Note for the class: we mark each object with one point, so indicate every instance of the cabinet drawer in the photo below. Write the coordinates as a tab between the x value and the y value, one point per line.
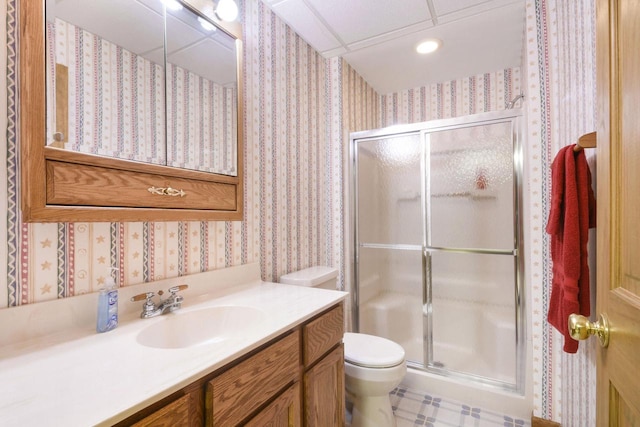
322	334
243	388
85	185
175	413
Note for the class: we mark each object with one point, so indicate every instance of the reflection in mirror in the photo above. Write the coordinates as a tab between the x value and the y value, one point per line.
201	94
106	90
106	79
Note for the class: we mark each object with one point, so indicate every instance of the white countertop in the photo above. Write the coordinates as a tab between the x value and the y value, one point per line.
76	377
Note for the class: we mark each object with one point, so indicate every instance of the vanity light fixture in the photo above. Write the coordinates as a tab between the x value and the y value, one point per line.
227	10
428	46
172	4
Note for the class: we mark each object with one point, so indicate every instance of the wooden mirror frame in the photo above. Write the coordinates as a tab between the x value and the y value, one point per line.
63	186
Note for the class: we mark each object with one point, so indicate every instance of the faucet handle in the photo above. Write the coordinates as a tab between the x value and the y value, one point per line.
175	289
146	296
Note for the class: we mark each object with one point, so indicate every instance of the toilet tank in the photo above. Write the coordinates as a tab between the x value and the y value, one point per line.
317	277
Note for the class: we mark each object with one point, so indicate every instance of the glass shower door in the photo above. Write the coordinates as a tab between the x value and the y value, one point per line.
389	239
437	247
471	253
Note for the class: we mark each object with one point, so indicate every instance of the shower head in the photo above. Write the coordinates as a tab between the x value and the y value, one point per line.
511	103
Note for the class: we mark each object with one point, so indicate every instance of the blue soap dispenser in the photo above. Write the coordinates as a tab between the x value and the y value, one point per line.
108	305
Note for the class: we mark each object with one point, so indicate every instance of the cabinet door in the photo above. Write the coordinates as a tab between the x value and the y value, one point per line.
174	414
324	391
282	412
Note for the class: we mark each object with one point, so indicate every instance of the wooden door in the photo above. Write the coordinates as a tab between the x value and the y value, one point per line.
618	158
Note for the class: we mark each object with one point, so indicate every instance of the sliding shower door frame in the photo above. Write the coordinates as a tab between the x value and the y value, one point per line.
425	129
355	245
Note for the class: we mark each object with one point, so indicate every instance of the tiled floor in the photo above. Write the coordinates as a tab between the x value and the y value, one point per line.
414	408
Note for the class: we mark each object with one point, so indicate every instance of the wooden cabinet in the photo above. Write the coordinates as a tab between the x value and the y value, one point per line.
295	380
323	355
60	185
323	406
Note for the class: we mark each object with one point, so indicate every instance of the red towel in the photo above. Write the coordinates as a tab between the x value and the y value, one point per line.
572	214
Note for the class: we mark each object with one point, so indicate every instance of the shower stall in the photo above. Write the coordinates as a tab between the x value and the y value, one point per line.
437	247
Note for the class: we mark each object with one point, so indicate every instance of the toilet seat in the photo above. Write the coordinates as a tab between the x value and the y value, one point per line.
370	351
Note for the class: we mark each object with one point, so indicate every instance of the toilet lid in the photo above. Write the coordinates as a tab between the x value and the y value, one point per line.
370	351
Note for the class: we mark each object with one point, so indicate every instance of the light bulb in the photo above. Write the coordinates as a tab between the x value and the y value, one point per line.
227	10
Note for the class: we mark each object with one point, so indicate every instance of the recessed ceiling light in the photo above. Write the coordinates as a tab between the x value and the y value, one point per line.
428	46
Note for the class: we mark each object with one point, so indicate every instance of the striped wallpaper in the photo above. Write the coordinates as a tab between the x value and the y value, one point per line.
286	126
560	69
359	109
115	97
201	123
472	95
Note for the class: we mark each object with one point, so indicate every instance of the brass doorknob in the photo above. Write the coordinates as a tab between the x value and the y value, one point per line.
580	328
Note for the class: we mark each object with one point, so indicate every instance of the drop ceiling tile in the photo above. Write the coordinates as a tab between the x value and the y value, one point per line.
117	21
182	30
378	40
334	52
307	24
209	59
393	65
450	10
356	20
154	55
424	25
155	5
444	7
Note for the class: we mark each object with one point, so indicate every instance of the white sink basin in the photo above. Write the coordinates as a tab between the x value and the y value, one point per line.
204	326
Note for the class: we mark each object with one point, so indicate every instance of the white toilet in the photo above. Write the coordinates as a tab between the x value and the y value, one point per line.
373	366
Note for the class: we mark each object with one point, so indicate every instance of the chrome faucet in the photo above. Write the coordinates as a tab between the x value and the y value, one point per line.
172	303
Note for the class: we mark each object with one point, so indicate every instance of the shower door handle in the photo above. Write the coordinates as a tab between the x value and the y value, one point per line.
580	328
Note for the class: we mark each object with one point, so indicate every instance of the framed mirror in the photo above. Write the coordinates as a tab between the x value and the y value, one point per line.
118	124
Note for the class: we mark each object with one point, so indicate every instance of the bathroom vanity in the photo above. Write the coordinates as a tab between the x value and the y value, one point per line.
252	353
265	387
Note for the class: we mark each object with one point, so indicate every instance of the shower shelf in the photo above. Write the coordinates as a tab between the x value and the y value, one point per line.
468	194
409	198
